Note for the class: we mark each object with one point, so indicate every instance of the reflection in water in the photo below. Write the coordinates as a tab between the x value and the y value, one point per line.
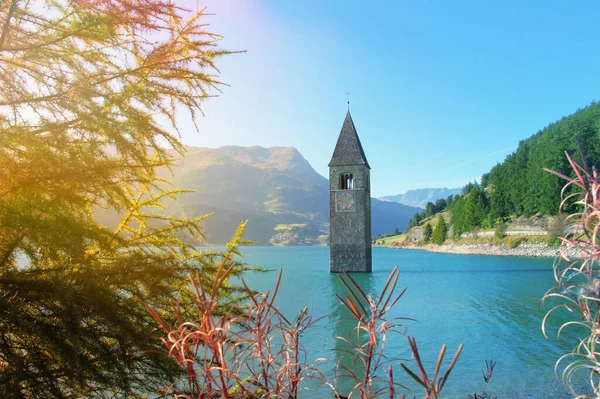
490	304
345	338
507	313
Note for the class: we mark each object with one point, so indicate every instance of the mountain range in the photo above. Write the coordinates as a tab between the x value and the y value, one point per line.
285	200
420	197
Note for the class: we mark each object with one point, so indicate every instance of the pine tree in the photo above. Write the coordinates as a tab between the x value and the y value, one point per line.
429	210
439	232
440	205
88	90
427	232
458	215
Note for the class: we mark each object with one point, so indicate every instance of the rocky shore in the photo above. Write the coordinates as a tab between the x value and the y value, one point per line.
533	250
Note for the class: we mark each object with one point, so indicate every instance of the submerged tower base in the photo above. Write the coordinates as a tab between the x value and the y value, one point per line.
347	258
349	204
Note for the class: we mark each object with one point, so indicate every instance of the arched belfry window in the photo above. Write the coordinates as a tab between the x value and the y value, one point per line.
346	181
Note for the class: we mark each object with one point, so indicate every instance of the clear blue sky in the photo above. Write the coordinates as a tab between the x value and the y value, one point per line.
440	90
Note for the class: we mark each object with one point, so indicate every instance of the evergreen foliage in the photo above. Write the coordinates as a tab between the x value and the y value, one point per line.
519	186
430	210
88	91
415	221
469	211
469	186
427	232
393	233
439	232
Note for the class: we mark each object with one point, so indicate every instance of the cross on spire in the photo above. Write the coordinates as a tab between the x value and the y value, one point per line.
348	98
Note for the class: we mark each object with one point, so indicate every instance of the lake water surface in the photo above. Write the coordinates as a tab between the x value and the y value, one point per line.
490	304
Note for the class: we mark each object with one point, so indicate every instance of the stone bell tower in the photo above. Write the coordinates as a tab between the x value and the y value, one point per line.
349	204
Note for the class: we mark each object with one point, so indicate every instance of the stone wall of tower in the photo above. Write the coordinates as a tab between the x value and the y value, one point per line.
350	220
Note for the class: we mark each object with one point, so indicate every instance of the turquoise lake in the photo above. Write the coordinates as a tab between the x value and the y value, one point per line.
490	304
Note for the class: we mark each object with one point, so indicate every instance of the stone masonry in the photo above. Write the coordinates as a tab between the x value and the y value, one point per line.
349	204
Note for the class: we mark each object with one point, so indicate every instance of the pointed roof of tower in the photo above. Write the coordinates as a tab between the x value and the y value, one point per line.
348	150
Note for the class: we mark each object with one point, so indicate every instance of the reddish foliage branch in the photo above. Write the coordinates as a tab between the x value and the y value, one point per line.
577	278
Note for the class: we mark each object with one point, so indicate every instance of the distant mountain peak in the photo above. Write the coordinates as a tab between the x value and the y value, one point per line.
278	158
285	200
420	197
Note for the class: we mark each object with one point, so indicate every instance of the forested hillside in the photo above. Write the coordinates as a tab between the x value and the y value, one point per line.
519	186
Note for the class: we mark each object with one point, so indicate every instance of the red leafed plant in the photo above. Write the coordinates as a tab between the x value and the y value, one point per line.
235	354
433	387
366	342
254	351
577	277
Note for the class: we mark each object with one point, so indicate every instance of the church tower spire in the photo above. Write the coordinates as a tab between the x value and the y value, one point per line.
349	204
348	150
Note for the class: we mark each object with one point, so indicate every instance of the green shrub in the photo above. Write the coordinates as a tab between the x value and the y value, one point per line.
500	230
486	223
553	241
556	230
515	241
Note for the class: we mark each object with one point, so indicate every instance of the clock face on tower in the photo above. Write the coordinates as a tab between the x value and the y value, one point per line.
344	201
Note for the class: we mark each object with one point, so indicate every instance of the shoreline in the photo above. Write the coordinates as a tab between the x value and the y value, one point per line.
488	249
